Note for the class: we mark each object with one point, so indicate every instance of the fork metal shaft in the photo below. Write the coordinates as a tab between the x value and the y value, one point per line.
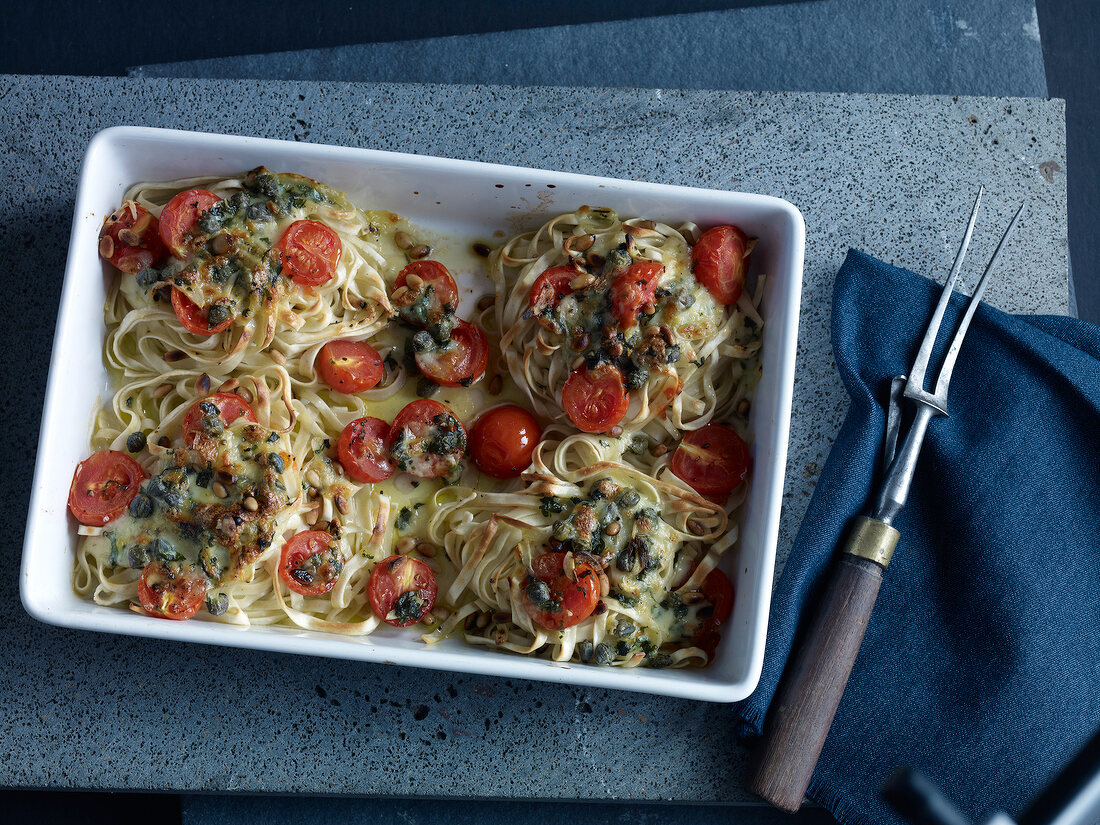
899	477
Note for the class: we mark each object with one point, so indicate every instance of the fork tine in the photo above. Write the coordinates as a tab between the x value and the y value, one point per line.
920	365
956	343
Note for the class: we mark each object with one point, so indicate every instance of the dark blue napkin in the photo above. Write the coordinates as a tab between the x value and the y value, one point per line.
981	664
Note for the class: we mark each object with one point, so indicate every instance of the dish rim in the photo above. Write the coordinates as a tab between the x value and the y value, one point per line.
684	683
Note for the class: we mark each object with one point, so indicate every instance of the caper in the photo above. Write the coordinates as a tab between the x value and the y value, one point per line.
161	549
563	530
135	442
422	341
628	499
659	660
584	650
638	376
426	387
604	654
276	462
538	592
625	559
216	605
141	506
622	648
139	556
623	629
217	314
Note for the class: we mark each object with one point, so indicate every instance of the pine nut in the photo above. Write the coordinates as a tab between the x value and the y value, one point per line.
696	527
106	246
251	504
312	479
218	489
402	240
405	546
613	528
657	450
605	584
486	301
128	237
174	355
162	390
414	281
581	243
419	252
342	504
496	384
582	281
310	517
426	549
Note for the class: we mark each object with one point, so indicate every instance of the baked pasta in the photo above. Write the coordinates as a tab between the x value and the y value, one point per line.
308	426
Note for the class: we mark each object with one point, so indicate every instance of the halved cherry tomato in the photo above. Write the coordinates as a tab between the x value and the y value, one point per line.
444	295
718	261
503	440
550	287
180	215
350	366
713	460
230	407
310	251
717	590
311	563
633	289
401	590
169	594
103	486
193	317
139	246
364	450
595	399
460	362
569	599
427	439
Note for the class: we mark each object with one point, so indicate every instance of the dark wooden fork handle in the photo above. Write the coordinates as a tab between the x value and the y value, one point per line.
816	675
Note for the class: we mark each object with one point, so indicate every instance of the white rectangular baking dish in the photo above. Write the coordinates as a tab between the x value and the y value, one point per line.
464	201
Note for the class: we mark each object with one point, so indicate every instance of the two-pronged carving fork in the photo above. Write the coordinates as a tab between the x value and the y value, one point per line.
819	667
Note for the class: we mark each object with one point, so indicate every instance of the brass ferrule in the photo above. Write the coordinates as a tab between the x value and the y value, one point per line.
872	540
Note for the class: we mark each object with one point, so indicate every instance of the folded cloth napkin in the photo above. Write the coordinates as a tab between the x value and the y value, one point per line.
981	664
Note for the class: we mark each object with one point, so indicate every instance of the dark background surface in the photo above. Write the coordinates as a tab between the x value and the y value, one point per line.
99	38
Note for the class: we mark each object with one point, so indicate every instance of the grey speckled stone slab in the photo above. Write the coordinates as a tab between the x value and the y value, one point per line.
892	175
